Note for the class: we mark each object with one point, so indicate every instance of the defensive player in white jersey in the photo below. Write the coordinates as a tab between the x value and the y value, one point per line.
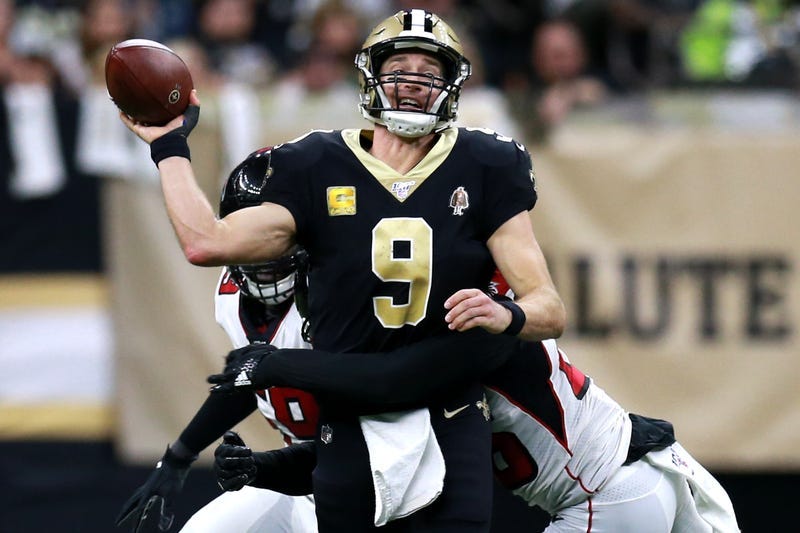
252	304
559	441
293	412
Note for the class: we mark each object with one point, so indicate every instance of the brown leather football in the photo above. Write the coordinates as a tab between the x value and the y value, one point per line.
147	81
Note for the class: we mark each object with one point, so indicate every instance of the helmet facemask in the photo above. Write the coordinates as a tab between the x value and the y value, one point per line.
413	31
271	282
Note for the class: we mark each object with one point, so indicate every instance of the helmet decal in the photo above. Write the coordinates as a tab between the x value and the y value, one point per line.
417	21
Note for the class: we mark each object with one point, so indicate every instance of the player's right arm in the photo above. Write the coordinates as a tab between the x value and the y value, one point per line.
249	235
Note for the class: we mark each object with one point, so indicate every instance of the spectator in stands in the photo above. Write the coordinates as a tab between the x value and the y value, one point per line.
503	29
6	56
559	79
641	41
337	28
318	94
483	105
304	12
104	23
38	177
748	43
225	28
102	149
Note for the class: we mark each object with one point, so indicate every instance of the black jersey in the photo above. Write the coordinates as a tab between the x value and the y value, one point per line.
387	249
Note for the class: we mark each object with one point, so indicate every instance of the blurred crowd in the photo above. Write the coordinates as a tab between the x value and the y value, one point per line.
545	57
269	70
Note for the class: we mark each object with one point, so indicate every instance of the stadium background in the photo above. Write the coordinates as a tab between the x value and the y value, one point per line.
667	214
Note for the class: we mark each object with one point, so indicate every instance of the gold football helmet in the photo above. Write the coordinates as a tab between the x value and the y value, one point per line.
420	30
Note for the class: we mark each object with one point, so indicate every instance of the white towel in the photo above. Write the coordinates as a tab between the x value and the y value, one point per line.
406	462
712	502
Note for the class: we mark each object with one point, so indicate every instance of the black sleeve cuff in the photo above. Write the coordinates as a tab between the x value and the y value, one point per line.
286	470
517	317
169	145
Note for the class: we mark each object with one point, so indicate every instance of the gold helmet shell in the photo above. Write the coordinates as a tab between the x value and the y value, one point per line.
420	30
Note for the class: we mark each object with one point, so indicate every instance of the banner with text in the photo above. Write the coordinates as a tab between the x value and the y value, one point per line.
676	256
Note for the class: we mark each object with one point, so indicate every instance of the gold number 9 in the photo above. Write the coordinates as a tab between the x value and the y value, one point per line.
402	250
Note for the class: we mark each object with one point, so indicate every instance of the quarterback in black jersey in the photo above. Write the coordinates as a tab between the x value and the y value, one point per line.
402	223
386	249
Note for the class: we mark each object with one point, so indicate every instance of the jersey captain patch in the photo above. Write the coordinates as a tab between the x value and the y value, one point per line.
341	201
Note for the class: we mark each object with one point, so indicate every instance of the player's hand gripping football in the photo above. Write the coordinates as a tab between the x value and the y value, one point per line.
181	125
150	507
234	463
241	368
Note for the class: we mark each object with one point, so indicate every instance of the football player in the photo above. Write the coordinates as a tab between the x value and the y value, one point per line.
253	304
558	440
392	262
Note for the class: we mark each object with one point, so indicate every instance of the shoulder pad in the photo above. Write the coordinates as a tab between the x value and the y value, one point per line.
492	148
303	151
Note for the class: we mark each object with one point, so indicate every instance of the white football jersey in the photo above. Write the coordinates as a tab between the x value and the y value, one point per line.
293	412
557	437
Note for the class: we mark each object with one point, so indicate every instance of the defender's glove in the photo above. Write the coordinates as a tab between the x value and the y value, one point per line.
152	502
234	463
240	368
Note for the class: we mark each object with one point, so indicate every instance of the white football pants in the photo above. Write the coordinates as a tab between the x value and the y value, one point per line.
653	495
252	510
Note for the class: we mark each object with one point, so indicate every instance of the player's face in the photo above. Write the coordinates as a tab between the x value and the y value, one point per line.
412	80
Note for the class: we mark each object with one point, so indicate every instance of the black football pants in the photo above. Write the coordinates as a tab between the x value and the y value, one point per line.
343	490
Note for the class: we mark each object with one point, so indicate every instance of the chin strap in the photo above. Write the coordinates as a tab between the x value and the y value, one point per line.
407	124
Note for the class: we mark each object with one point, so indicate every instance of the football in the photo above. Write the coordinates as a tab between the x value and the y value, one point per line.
147	81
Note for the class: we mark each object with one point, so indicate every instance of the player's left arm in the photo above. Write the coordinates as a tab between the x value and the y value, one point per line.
537	312
403	378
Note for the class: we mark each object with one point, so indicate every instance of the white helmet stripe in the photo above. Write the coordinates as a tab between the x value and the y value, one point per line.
416	23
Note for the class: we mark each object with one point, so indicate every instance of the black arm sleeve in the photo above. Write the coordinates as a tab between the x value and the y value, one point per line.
219	413
401	379
286	470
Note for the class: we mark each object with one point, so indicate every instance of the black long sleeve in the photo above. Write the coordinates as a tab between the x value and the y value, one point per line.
401	379
219	413
286	470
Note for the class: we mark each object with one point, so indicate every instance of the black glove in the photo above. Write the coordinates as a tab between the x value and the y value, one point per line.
152	502
234	463
240	369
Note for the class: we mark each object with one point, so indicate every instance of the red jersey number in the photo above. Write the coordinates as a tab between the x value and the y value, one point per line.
512	462
296	410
